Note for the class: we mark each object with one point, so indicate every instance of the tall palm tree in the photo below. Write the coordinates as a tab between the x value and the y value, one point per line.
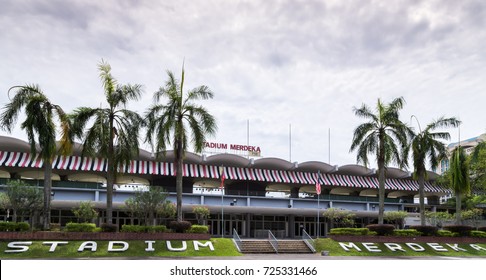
385	137
114	130
426	148
177	121
459	178
40	127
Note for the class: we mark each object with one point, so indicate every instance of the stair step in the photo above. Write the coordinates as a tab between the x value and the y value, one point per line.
284	246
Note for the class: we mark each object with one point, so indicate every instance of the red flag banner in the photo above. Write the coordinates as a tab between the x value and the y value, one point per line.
221	171
318	187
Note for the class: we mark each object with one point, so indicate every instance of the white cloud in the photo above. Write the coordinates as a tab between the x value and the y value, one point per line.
275	63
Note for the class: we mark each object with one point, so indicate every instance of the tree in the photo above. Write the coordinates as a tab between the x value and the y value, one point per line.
85	211
40	126
145	205
177	121
426	148
114	130
459	178
202	213
339	217
478	167
24	200
438	218
380	136
473	216
167	210
395	217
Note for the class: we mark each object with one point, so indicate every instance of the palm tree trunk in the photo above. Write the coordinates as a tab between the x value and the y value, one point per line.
110	181
381	191
458	208
421	179
179	158
381	179
110	176
47	194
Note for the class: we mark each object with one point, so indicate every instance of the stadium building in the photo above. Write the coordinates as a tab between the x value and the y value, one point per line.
248	203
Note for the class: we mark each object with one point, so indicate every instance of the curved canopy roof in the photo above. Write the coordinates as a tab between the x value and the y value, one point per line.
11	144
314	166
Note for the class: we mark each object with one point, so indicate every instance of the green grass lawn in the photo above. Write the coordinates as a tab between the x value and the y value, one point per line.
222	247
327	244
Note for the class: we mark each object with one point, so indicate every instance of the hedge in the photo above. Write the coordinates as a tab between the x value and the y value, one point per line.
80	227
139	228
406	232
477	233
349	231
109	227
426	230
461	230
198	229
381	229
446	233
180	227
9	226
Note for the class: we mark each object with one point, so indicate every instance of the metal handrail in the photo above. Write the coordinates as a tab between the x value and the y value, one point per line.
273	241
237	240
308	241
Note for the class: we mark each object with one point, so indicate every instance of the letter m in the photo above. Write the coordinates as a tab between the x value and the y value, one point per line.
348	246
207	244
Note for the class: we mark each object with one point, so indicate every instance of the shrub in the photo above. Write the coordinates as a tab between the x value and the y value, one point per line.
426	230
132	228
460	229
199	229
446	233
349	231
9	226
406	232
80	227
477	233
160	228
55	227
382	229
109	227
482	229
5	226
22	226
180	227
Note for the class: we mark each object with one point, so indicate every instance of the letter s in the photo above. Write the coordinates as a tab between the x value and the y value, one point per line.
19	246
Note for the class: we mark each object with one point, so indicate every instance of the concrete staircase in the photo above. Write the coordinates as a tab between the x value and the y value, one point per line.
256	247
293	247
284	247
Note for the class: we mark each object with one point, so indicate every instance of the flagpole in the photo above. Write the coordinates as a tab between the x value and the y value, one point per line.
221	172
318	190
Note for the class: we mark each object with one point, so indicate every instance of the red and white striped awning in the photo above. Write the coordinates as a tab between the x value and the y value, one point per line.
76	163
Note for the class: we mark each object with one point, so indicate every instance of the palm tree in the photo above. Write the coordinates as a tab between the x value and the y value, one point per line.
39	125
177	121
426	147
459	178
114	131
379	136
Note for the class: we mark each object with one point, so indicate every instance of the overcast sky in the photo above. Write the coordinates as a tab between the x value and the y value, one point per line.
276	64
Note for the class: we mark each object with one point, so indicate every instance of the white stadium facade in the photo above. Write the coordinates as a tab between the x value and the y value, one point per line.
248	204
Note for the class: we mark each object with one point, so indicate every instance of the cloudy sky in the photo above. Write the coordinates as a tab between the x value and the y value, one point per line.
274	64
